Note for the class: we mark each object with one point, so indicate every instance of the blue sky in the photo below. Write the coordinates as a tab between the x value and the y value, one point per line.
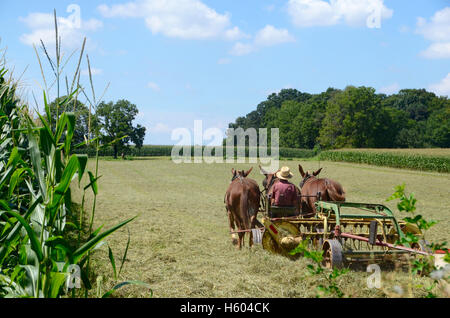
182	60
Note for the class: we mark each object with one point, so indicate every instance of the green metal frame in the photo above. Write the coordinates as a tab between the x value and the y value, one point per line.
377	211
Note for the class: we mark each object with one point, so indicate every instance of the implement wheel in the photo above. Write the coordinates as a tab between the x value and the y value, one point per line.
285	229
332	254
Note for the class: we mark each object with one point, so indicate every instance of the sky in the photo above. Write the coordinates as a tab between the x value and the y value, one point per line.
185	60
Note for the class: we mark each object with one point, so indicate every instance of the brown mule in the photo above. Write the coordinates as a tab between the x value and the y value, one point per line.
242	204
329	190
268	182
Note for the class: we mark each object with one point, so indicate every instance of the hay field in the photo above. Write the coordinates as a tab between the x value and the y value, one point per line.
180	243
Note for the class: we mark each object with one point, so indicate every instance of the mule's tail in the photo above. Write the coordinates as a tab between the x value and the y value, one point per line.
335	191
244	210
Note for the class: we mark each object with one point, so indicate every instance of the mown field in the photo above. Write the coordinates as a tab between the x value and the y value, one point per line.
180	243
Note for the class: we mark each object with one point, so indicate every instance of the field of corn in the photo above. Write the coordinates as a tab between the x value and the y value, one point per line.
433	159
437	152
162	150
416	159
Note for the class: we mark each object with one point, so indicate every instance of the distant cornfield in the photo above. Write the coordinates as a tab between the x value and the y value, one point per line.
162	151
391	159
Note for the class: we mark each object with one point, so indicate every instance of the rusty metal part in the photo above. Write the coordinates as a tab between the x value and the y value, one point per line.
379	243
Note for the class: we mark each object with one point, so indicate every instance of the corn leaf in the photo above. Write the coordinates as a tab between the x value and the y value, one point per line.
131	282
79	253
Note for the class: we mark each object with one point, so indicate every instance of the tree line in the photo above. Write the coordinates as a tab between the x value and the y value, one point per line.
355	117
111	122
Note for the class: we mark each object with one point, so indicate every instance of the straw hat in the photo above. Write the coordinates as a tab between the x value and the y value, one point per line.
284	173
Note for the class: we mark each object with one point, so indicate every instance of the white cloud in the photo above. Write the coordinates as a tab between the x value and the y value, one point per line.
270	35
71	32
240	49
390	89
160	128
234	34
442	88
307	13
437	30
153	86
267	36
437	51
185	19
94	71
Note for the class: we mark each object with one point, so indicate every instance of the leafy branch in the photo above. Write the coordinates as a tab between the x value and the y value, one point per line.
316	269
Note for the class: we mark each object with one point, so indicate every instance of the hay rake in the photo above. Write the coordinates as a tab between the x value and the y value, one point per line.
346	232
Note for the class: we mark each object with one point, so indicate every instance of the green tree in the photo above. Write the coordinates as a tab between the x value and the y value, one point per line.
412	136
310	117
417	103
116	122
285	121
424	122
351	119
438	128
138	136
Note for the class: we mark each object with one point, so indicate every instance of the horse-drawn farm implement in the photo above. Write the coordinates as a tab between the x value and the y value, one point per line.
346	232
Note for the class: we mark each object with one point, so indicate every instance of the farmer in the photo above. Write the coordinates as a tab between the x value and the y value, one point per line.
284	193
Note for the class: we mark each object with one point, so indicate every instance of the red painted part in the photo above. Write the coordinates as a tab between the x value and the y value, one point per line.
273	229
398	247
441	251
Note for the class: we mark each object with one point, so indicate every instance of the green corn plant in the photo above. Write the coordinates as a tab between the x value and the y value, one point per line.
37	169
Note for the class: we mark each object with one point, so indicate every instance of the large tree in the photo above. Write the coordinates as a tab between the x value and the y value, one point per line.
351	119
116	121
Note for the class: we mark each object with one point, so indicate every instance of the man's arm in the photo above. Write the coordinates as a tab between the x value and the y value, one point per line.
272	194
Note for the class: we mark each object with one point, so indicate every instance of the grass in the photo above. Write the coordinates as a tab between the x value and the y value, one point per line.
180	243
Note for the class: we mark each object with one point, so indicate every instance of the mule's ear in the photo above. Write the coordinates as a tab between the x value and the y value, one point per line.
233	172
317	172
301	170
248	172
264	172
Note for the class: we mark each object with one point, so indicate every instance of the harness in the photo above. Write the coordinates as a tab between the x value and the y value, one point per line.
237	176
304	180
